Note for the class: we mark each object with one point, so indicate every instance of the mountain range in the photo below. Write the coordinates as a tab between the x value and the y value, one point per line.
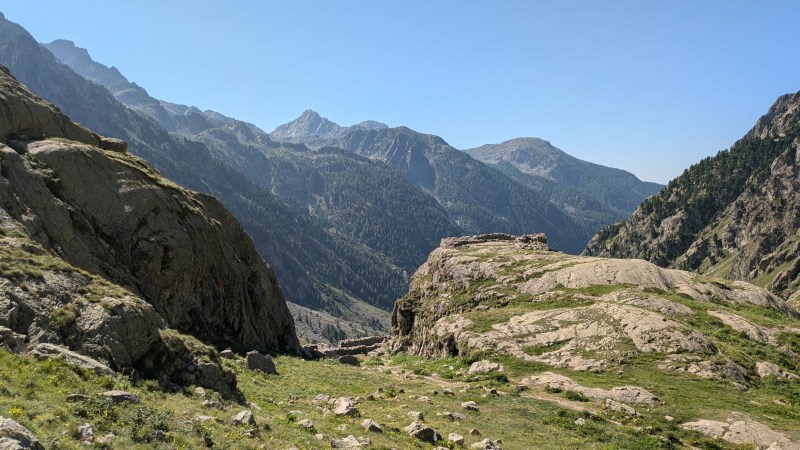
343	214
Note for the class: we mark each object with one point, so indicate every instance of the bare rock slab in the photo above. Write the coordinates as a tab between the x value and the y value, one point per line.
743	430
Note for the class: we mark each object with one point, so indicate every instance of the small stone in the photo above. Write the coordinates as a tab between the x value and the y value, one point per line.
435	392
401	391
415	415
519	388
343	406
424	433
349	360
243	418
448	391
252	432
159	435
350	442
493	391
474	432
370	397
455	416
306	423
105	439
263	363
456	438
227	354
485	444
669	418
199	392
371	425
121	396
321	437
470	406
580	421
425	399
321	398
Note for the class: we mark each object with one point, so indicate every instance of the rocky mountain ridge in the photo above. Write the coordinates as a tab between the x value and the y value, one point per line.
732	215
620	191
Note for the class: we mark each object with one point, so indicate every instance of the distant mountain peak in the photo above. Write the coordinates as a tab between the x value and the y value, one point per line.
310	123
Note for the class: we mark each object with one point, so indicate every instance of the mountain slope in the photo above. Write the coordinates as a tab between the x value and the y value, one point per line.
477	197
733	214
306	258
618	190
358	197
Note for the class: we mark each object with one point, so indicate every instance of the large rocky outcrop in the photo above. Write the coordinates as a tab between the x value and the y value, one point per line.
101	254
500	296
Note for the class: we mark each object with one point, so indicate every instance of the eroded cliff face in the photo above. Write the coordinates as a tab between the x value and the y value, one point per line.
508	298
102	254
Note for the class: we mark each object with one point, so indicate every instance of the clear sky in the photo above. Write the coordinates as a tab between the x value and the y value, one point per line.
647	86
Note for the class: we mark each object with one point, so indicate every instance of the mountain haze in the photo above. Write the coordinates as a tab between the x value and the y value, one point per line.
617	189
284	235
477	197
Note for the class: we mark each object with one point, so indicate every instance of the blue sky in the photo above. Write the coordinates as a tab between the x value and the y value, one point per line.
647	86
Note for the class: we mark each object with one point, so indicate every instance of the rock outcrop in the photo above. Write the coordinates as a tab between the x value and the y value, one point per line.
100	254
492	295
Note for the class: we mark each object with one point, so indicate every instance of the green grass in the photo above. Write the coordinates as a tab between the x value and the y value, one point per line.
34	393
595	290
536	350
